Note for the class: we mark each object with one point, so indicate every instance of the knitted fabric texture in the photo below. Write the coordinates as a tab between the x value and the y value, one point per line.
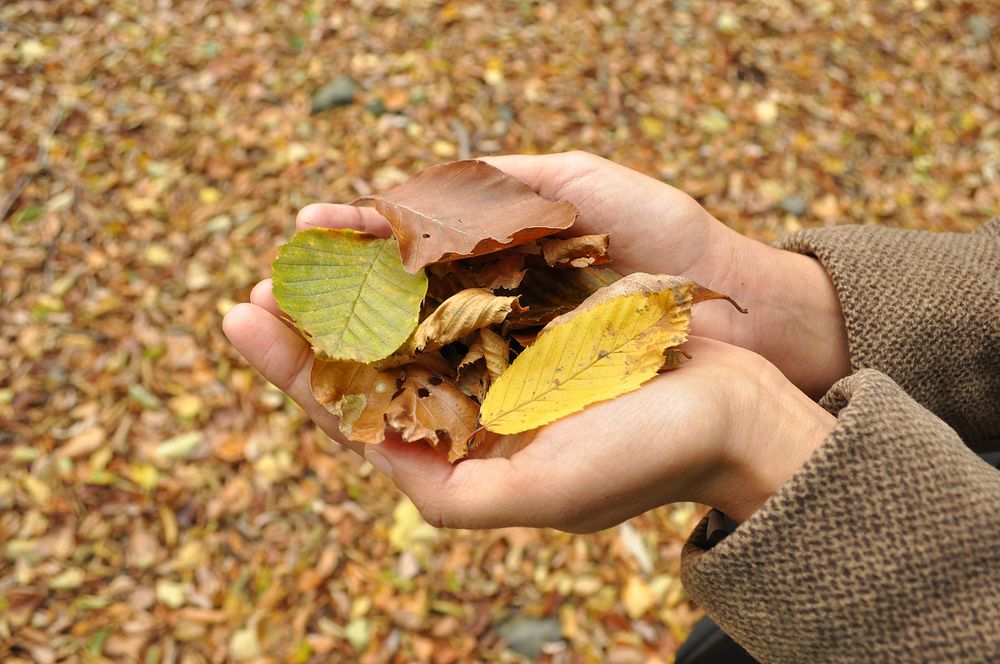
885	546
923	308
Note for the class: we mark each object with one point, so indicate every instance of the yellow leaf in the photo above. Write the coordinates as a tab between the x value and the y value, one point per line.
466	311
495	351
67	580
611	344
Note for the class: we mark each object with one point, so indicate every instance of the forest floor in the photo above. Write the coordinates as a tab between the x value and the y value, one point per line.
160	503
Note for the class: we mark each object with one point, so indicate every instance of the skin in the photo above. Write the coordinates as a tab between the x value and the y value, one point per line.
727	429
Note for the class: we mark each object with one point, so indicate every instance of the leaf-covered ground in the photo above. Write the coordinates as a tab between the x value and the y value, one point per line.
159	502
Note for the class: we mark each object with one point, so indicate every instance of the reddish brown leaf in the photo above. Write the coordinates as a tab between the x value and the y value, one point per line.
465	208
501	270
430	408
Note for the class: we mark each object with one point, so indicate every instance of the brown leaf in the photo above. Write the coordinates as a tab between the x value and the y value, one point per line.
356	393
474	379
463	312
548	292
495	351
417	403
487	358
83	443
430	408
501	270
465	208
582	251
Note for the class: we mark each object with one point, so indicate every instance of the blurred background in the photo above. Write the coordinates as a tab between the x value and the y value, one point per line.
160	503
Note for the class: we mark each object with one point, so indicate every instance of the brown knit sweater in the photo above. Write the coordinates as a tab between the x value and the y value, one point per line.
885	546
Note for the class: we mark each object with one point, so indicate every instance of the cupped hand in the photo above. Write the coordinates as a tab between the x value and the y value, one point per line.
726	429
795	322
795	318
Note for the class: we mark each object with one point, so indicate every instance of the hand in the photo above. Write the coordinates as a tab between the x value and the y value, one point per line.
726	429
795	320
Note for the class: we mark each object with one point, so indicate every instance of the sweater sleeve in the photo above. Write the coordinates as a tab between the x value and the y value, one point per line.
884	547
923	308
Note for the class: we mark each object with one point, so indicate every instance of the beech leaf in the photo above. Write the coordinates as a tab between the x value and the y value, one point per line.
485	361
495	351
413	401
465	208
463	312
432	409
502	270
582	251
547	292
609	345
348	293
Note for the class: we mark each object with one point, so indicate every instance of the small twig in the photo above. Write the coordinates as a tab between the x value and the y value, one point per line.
40	163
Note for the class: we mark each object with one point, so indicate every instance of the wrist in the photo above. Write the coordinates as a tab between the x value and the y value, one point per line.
795	319
775	429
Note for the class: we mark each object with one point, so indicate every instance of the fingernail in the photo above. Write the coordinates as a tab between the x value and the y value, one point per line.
377	459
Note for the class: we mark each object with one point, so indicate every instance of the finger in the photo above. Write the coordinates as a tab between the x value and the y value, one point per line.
655	227
262	296
284	359
476	493
334	215
548	174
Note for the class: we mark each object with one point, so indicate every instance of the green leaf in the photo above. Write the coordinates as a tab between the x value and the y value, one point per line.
348	293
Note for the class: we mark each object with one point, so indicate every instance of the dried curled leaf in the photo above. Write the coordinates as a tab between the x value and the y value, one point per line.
429	408
463	312
547	292
608	346
413	401
503	270
485	361
465	208
493	349
348	293
582	251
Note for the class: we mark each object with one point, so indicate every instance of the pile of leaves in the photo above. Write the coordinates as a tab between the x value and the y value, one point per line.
471	320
